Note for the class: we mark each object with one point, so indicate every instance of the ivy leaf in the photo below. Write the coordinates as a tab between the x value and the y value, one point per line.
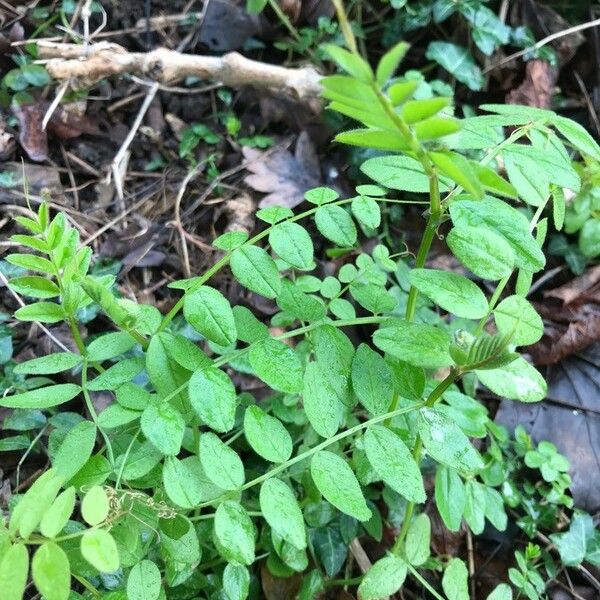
266	435
418	539
256	270
455	580
322	402
338	484
450	497
517	316
221	464
210	314
234	533
51	572
164	427
14	566
372	380
458	61
446	443
99	548
383	579
213	397
517	380
144	581
293	244
393	462
46	397
483	252
181	479
277	365
452	292
420	345
75	449
282	512
336	225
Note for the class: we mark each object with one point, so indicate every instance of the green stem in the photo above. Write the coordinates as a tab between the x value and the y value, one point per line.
424	582
284	19
345	26
353	581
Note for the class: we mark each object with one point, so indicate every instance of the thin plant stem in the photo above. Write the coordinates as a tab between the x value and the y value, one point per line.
424	582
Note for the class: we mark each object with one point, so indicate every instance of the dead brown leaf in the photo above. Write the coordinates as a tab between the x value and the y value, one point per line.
279	588
538	86
32	137
37	177
283	176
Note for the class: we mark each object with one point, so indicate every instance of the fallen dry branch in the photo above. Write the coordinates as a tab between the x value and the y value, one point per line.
84	66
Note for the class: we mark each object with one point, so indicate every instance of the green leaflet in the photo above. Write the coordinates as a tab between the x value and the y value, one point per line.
56	517
234	533
455	580
298	304
517	381
338	484
46	397
516	316
372	380
452	292
418	539
221	464
383	579
399	173
181	479
249	328
277	364
419	110
98	547
48	365
267	435
75	449
144	581
213	397
95	505
501	592
420	345
282	512
115	376
336	225
293	244
366	211
236	582
394	463
459	169
109	345
14	566
322	403
485	253
449	497
210	314
51	572
446	443
256	270
475	506
34	286
389	62
164	427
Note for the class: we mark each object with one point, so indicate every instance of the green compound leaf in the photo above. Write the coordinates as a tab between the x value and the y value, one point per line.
213	397
446	443
383	579
221	464
336	225
293	244
144	581
452	292
338	484
277	365
51	572
256	270
282	512
210	314
516	316
394	463
267	435
420	345
234	533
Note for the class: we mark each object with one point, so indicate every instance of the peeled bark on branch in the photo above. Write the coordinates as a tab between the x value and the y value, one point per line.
84	66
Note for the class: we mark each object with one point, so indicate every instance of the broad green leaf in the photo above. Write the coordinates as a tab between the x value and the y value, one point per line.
399	173
454	293
34	286
383	579
372	380
44	312
482	251
110	345
95	505
164	427
99	548
338	484
221	464
210	314
322	403
420	345
450	497
455	580
48	365
266	435
517	381
458	61
349	62
236	582
572	545
280	509
418	539
293	244
366	211
14	566
256	270
181	479
500	218
501	592
516	316
277	364
249	328
75	449
212	395
56	517
389	62
51	572
394	463
419	110
374	298
446	443
31	262
336	225
234	533
144	581
458	168
298	304
529	180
